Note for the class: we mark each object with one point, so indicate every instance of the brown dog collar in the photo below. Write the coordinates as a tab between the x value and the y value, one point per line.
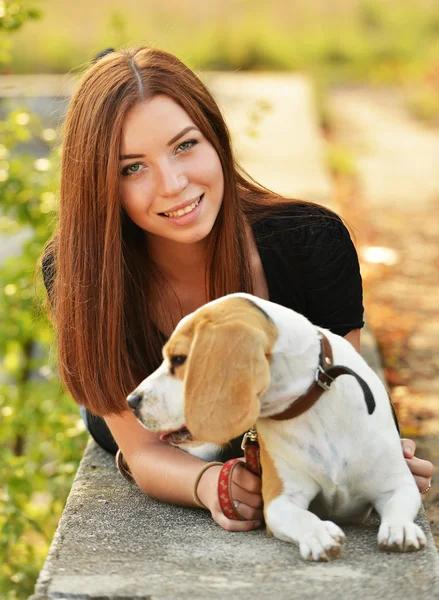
325	375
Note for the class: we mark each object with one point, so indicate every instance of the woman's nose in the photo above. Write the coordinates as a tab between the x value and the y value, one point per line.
172	179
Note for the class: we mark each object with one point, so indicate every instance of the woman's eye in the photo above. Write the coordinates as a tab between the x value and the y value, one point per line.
185	146
131	169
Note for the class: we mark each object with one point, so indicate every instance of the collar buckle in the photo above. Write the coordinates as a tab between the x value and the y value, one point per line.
250	437
324	384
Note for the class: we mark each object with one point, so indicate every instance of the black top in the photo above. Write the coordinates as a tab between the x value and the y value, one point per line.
310	265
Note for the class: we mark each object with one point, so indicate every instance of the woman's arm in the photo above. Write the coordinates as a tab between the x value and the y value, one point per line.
422	470
354	337
169	474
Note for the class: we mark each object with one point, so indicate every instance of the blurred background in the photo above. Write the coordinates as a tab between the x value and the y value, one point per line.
362	40
374	68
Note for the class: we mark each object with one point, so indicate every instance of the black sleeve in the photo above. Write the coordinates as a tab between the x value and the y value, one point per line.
331	274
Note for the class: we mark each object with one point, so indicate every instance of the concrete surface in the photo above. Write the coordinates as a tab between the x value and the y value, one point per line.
115	543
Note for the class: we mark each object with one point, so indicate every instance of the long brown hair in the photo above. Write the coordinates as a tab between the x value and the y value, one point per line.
107	341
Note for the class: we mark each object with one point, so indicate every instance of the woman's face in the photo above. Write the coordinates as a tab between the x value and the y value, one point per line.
172	181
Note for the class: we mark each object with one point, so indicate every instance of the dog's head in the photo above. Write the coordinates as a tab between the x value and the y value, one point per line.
216	365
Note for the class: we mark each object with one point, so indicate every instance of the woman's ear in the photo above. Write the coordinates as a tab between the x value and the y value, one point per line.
226	372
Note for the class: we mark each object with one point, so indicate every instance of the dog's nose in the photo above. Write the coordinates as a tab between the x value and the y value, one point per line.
134	400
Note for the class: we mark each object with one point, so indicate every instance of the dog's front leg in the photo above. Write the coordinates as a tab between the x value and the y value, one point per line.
288	519
398	509
318	540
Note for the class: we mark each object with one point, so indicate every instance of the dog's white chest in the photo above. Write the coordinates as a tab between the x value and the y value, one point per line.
302	451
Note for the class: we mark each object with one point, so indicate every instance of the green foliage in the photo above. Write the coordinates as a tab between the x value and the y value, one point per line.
423	101
13	14
41	434
40	429
249	45
425	105
339	160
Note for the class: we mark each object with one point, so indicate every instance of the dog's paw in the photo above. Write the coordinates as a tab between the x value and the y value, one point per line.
407	537
324	543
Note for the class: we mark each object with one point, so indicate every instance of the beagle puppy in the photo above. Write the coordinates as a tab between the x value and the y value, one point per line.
239	361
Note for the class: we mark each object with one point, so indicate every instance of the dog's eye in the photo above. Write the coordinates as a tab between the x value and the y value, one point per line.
176	361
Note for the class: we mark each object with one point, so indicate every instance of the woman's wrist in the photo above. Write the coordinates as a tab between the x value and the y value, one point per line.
204	490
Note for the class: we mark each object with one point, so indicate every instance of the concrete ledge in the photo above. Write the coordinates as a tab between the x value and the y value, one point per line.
113	542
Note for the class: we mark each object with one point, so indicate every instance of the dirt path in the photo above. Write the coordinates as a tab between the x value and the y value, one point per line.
395	219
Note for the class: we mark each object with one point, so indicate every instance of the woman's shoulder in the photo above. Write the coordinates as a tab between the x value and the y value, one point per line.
300	224
312	263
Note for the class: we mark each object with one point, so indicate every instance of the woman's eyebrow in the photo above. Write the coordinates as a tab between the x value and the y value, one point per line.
174	139
179	135
125	156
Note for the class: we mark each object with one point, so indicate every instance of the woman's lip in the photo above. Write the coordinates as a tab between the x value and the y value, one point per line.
182	206
187	217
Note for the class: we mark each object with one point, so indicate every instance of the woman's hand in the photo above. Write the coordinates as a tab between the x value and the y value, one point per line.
246	491
422	470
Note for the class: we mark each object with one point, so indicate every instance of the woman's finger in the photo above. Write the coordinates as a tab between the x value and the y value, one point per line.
246	488
248	512
240	494
247	480
423	484
421	468
232	525
408	447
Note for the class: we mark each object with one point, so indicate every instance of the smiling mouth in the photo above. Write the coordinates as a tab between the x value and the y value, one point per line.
181	436
183	211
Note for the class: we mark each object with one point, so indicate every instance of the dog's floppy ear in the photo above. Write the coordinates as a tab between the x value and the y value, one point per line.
226	372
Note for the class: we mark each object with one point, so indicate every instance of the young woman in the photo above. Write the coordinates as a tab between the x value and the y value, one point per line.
155	220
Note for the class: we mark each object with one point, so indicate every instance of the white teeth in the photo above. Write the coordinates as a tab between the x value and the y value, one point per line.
183	211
